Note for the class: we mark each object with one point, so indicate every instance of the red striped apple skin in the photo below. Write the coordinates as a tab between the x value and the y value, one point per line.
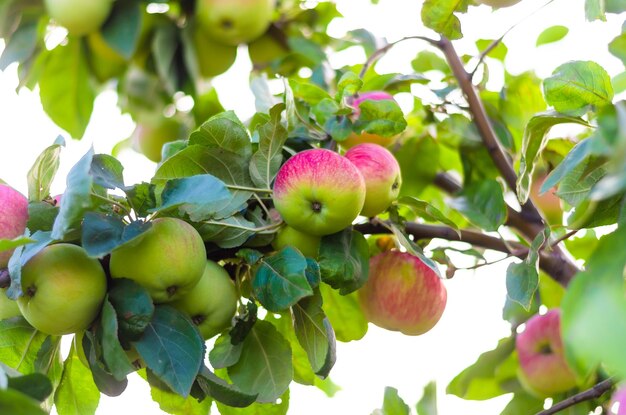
382	176
13	217
363	137
319	192
402	294
543	369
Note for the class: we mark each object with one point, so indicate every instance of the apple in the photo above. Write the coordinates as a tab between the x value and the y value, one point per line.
364	137
265	49
319	192
213	58
8	307
105	62
618	401
498	3
548	203
14	208
232	22
402	294
212	303
167	260
543	369
381	172
308	245
79	17
153	131
63	289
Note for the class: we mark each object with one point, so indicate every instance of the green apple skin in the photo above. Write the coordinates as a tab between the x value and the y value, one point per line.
167	260
213	58
543	368
319	192
79	17
152	132
264	50
104	61
382	175
402	294
8	307
308	245
364	137
212	303
63	290
232	22
14	208
496	4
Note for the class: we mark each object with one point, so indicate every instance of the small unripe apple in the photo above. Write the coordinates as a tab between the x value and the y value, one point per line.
381	172
63	289
212	303
498	3
232	22
153	131
402	294
8	307
265	49
167	260
543	368
79	17
13	217
105	62
213	58
308	245
319	192
364	137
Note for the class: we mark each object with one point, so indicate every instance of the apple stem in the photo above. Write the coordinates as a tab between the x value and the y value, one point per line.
5	278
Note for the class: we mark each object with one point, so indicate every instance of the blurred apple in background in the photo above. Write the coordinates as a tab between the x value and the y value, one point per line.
79	17
308	245
13	217
153	131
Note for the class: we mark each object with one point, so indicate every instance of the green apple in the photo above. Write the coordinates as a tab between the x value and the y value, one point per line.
167	260
105	62
153	131
8	307
265	49
402	294
381	172
63	289
309	245
543	368
79	17
319	192
232	22
364	137
213	58
14	208
496	4
212	303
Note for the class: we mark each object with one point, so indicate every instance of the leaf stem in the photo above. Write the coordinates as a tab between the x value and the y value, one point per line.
249	189
262	229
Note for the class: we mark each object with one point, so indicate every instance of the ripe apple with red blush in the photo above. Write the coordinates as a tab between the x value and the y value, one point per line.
14	208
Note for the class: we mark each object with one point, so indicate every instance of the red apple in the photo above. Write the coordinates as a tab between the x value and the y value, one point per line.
618	401
354	139
543	369
319	192
402	294
548	203
14	208
382	176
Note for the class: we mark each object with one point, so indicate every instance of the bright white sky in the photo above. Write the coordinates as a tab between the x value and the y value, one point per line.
472	321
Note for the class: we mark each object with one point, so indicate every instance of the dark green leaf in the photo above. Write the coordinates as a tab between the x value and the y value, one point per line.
172	348
265	364
268	158
231	232
552	34
279	408
344	313
122	28
280	280
225	353
114	355
522	281
344	260
66	91
16	403
223	131
42	172
77	394
104	380
141	198
165	44
133	306
313	273
439	16
483	204
244	322
576	84
223	392
107	171
315	334
427	405
34	385
101	233
41	216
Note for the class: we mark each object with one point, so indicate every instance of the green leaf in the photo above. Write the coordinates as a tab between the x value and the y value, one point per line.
165	44
104	380
594	10
280	281
114	355
344	313
16	403
382	117
141	198
393	403
315	334
523	403
348	85
227	233
493	374
20	257
177	405
66	91
344	260
483	204
279	408
573	159
34	385
429	61
552	34
499	52
77	394
265	365
42	172
41	216
107	172
223	392
224	352
223	131
534	141
426	211
200	196
419	163
576	84
268	158
101	233
522	280
427	405
308	92
172	348
21	45
122	28
10	244
439	16
133	306
76	198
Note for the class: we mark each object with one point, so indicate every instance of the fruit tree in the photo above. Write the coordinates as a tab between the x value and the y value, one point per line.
354	194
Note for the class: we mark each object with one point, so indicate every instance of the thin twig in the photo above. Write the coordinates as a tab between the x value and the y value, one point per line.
595	392
564	237
383	50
